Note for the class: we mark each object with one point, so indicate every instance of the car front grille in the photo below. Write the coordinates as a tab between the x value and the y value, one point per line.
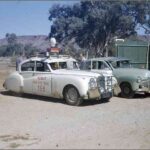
105	84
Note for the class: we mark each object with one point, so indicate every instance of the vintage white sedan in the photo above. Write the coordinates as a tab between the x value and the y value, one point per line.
97	66
50	77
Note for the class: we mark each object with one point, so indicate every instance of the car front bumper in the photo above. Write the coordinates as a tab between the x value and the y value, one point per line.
144	86
95	94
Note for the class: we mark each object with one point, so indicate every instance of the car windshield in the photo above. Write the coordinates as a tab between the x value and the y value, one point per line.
58	65
64	65
121	64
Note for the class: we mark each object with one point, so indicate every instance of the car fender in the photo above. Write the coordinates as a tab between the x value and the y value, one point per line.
59	83
14	82
124	79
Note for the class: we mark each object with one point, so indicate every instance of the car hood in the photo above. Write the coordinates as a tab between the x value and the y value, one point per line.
76	72
104	72
134	72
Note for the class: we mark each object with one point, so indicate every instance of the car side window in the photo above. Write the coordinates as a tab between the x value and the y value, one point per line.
46	67
41	66
88	65
62	65
114	64
102	65
94	66
28	66
54	65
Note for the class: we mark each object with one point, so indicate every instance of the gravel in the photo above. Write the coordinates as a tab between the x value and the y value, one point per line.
35	122
30	122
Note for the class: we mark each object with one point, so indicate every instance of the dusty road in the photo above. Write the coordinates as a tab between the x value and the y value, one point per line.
30	122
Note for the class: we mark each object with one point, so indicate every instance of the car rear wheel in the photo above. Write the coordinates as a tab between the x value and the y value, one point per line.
72	96
147	94
126	90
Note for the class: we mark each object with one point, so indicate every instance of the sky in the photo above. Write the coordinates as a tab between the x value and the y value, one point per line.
26	17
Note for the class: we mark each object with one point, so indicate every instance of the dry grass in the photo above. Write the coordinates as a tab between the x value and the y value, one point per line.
7	138
14	145
15	141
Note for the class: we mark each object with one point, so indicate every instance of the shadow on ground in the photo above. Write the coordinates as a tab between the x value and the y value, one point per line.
139	96
56	100
142	95
50	99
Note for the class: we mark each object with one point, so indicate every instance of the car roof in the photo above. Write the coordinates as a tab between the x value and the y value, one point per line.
109	59
50	59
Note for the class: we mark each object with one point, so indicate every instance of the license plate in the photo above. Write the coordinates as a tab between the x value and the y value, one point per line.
106	95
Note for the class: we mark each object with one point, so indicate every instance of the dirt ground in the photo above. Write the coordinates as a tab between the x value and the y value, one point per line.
35	122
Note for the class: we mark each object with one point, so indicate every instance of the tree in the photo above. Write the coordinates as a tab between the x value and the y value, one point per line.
12	46
11	38
3	50
30	50
94	24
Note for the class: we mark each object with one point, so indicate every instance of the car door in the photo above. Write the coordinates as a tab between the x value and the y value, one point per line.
27	71
41	79
100	66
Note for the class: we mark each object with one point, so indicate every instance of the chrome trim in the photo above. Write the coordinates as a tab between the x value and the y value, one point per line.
105	84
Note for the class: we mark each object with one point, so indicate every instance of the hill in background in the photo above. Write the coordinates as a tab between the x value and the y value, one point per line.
145	38
39	41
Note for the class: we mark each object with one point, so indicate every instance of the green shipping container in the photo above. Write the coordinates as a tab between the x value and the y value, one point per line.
137	52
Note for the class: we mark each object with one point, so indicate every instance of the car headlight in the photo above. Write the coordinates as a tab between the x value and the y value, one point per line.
138	79
102	90
92	83
110	89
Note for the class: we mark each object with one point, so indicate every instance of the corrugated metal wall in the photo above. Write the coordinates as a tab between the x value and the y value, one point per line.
137	51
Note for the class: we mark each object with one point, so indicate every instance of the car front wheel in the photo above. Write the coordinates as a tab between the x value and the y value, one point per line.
126	90
105	100
72	96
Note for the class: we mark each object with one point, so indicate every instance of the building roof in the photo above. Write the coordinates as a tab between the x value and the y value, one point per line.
109	59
